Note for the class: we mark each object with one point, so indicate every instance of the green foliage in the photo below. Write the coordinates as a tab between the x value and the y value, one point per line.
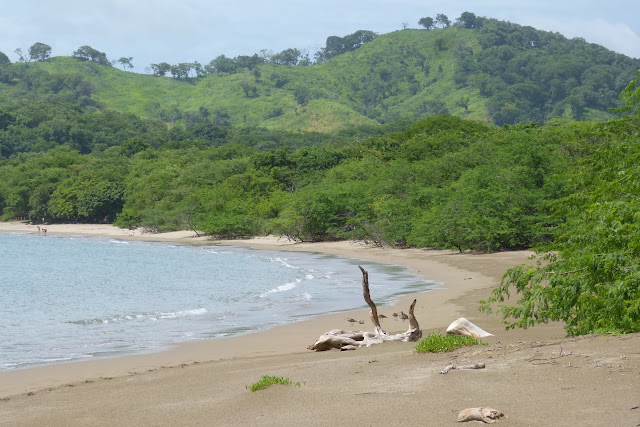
4	59
426	22
587	276
39	52
438	343
335	45
631	96
87	53
267	380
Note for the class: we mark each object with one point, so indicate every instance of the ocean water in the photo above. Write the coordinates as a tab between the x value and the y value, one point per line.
66	298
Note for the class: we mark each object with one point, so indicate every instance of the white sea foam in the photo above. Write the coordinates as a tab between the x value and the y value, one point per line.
282	288
142	317
118	242
184	313
284	262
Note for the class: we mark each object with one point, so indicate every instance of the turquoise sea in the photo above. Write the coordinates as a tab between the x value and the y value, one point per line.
66	298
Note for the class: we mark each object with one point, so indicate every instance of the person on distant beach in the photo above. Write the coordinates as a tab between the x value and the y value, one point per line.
38	229
44	230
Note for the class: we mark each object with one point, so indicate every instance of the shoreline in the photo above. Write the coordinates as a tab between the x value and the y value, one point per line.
435	314
220	368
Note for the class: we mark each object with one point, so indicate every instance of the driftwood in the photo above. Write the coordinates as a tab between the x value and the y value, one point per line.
486	415
465	328
348	340
452	367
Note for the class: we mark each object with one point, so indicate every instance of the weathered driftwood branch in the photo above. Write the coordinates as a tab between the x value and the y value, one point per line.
373	314
452	367
348	340
486	415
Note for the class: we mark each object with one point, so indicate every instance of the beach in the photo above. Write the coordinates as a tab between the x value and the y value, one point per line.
536	376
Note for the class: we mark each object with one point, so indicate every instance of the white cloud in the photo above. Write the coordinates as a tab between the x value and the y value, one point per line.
618	36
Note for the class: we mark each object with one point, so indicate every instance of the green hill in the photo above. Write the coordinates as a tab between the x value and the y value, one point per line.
500	73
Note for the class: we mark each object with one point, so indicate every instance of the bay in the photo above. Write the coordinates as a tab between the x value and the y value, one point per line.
66	298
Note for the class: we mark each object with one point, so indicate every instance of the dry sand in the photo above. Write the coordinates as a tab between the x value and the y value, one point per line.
537	377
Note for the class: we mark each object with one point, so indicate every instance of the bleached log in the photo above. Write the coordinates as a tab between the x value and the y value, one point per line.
340	339
465	328
486	415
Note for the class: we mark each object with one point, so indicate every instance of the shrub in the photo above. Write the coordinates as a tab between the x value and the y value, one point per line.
267	380
438	343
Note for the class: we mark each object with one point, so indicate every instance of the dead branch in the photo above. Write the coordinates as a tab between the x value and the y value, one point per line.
479	365
367	297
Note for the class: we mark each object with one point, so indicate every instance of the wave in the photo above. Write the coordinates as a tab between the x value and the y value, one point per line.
141	317
185	313
118	242
282	288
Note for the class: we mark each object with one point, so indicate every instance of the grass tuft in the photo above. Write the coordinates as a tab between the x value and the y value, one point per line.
438	343
267	380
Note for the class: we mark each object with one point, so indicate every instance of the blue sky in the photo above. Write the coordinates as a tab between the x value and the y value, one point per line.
154	31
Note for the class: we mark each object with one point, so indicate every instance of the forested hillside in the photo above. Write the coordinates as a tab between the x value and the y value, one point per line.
488	70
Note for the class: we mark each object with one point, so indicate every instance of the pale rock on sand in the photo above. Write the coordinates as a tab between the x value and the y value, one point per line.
465	328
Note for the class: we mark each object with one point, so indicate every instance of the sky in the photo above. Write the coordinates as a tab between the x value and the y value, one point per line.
153	31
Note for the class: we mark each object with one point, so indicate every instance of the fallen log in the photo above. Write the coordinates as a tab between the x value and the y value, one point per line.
344	340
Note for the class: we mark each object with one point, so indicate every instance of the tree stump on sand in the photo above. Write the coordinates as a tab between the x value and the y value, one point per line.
348	340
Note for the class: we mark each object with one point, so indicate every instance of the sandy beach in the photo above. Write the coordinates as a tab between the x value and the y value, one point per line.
536	377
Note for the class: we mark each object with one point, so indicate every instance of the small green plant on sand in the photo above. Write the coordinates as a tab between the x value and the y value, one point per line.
438	343
267	380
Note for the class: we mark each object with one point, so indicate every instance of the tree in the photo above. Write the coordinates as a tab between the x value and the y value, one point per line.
4	59
442	20
21	56
426	22
126	62
302	94
338	45
250	91
469	20
440	43
161	69
463	102
221	64
198	69
87	53
132	146
286	57
248	62
181	70
39	52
